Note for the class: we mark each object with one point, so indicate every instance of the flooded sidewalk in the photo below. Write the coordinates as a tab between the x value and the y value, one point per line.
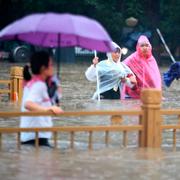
113	162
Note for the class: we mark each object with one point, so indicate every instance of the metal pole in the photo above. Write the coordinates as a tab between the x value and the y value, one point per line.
58	54
165	45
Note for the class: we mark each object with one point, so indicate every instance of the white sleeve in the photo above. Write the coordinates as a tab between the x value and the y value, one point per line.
91	73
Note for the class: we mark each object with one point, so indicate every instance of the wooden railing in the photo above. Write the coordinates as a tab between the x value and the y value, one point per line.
173	127
8	87
14	84
115	126
149	129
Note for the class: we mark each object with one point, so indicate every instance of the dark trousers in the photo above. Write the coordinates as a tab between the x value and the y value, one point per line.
42	142
111	94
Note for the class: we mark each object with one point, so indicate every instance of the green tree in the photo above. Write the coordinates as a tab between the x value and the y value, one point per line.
169	23
110	13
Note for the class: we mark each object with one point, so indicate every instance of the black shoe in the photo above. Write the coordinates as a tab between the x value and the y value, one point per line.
42	142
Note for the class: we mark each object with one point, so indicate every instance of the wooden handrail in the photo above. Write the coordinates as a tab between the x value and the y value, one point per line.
170	111
87	113
5	91
170	126
5	81
74	113
73	128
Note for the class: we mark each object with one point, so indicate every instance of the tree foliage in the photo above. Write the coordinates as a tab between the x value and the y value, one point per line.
110	13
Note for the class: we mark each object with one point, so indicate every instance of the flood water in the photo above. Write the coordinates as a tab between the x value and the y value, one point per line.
112	162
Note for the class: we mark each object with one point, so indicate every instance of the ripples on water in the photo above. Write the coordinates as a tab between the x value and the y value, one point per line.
114	162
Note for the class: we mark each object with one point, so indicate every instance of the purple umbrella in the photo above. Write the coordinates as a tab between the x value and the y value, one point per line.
59	30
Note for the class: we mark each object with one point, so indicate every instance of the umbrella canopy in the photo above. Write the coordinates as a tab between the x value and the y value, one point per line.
59	30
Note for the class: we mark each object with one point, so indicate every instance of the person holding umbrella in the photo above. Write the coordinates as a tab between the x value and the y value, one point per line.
110	75
36	98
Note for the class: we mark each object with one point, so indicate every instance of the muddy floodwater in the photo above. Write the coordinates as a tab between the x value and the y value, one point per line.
112	162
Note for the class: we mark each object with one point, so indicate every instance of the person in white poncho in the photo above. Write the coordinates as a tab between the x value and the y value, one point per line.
111	74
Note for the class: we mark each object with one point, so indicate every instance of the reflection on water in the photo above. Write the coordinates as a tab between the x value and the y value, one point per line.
102	164
114	162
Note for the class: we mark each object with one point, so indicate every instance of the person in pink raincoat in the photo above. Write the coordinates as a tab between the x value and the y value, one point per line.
144	66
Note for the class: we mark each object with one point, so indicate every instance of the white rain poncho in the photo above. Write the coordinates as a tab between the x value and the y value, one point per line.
108	74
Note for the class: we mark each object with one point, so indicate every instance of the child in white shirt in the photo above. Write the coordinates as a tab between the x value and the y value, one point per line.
36	98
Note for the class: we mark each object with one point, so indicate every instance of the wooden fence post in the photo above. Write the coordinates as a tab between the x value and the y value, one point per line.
16	76
151	119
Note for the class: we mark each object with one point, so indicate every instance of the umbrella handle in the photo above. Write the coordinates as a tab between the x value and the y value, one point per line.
97	77
95	53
